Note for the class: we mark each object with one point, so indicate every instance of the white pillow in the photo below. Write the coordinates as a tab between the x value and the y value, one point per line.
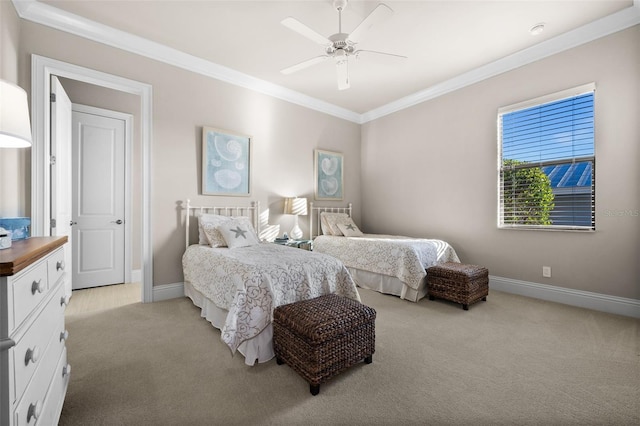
212	221
239	232
349	229
327	223
213	235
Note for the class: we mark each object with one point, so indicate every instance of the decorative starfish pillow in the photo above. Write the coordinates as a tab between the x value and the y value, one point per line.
239	233
349	229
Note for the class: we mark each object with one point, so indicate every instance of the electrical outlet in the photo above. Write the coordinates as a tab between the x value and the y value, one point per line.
546	271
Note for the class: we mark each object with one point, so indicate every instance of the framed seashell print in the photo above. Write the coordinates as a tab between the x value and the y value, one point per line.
226	163
329	183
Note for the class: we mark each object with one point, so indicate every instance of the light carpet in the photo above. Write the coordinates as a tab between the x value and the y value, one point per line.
509	361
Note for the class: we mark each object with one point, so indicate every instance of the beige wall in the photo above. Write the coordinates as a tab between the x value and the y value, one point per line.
426	171
9	42
431	171
284	137
14	162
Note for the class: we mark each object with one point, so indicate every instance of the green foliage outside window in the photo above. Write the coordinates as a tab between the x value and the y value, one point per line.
528	197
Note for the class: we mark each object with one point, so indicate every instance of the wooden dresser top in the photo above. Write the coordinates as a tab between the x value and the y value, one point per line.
23	253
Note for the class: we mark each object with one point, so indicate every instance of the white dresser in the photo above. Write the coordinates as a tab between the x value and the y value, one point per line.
33	357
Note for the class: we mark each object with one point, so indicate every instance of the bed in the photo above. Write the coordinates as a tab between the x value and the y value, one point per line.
238	284
388	264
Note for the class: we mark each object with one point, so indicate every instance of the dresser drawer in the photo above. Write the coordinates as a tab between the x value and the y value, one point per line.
34	408
40	343
30	407
29	288
50	414
56	265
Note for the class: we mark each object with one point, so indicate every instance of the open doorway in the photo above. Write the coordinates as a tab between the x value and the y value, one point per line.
42	70
91	183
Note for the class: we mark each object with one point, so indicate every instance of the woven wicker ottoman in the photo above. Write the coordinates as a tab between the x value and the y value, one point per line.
458	283
321	337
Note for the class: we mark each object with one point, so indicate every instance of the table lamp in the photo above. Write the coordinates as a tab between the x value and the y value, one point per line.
15	128
295	206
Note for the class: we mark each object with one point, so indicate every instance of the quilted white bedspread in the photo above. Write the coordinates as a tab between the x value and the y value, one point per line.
251	281
402	257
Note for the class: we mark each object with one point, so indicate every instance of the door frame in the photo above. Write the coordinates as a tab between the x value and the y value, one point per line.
41	70
128	150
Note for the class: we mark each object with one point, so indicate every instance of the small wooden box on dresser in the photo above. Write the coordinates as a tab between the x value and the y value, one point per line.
33	357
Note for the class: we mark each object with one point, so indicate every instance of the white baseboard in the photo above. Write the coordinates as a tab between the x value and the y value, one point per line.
168	291
136	276
583	299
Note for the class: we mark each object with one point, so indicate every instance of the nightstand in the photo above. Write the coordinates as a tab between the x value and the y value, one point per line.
301	244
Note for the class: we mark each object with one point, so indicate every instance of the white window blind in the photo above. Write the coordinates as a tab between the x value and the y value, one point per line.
547	162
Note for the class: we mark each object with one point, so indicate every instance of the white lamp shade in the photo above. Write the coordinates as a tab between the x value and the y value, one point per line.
15	128
296	206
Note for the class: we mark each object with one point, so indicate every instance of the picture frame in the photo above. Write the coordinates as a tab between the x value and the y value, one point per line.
226	163
329	175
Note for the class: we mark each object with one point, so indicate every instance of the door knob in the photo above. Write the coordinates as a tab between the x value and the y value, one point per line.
119	221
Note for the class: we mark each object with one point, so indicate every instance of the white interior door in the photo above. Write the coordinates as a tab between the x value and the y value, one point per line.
61	204
98	199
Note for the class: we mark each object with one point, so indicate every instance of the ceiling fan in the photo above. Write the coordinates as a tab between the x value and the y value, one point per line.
339	46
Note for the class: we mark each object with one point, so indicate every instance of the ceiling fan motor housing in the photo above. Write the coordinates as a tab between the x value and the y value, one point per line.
340	4
339	42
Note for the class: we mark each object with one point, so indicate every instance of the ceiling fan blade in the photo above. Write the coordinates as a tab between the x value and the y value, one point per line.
302	29
366	52
379	14
304	64
342	67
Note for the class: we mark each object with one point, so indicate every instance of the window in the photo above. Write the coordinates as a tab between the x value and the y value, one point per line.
546	155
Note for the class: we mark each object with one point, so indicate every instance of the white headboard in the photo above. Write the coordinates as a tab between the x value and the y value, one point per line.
192	212
315	216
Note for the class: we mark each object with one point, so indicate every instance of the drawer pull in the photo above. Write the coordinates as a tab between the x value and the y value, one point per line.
37	286
64	336
60	265
32	355
34	411
64	300
66	370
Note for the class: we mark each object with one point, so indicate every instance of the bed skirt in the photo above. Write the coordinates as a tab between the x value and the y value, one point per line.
259	348
387	284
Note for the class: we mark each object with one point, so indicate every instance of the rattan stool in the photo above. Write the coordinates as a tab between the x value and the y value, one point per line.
458	282
321	337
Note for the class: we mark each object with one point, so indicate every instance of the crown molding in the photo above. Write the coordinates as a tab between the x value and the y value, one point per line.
44	14
53	17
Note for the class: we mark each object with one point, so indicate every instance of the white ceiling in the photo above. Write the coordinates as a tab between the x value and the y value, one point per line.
445	41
